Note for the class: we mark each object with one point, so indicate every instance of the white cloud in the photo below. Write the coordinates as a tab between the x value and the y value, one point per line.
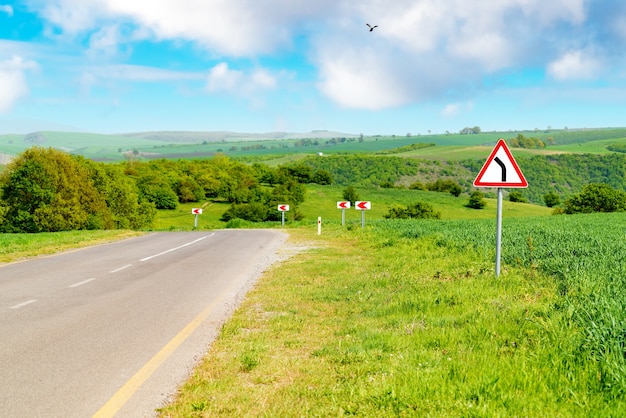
232	27
105	41
13	83
422	49
6	9
222	79
455	109
451	109
574	65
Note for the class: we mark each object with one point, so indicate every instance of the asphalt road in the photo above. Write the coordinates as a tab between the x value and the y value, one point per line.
112	330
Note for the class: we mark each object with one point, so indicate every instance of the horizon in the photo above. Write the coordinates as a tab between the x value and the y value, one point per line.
106	67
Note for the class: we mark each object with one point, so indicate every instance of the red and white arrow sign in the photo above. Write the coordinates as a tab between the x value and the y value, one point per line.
343	205
196	211
360	205
283	208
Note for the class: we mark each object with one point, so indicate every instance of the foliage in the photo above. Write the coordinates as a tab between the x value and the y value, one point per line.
521	141
596	197
350	194
47	190
517	196
552	199
417	210
447	185
617	148
406	148
476	200
322	177
470	131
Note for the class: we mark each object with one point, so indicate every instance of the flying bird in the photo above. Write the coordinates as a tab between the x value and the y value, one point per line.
371	27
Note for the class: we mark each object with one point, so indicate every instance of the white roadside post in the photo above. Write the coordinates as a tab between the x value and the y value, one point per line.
500	170
319	225
343	205
362	206
283	209
196	211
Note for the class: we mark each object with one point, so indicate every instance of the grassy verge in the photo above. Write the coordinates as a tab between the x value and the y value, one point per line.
15	247
373	323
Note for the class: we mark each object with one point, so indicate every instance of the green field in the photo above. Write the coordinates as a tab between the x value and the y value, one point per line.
450	146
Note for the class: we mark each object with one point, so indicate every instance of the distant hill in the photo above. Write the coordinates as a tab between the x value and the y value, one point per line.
218	136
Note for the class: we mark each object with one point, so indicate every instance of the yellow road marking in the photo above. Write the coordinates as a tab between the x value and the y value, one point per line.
128	390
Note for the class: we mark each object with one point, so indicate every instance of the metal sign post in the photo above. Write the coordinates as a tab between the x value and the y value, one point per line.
498	231
363	206
500	170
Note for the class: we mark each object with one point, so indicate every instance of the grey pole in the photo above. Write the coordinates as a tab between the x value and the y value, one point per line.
362	219
498	231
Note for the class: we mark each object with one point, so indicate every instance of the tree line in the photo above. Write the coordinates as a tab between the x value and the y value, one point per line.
47	190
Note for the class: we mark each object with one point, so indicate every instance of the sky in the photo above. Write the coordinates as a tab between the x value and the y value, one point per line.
430	66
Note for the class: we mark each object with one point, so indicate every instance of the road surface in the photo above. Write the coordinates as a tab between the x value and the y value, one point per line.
112	330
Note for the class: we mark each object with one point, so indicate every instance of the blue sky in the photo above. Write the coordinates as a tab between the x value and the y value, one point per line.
113	66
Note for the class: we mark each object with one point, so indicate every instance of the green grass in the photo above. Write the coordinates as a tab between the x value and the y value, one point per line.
15	247
407	319
591	147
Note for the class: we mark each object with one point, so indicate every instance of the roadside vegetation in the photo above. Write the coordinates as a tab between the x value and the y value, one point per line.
405	318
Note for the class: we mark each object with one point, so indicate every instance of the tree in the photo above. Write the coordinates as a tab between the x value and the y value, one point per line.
596	197
476	200
350	194
322	177
46	190
551	199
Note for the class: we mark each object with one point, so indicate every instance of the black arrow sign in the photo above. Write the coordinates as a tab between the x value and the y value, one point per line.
501	164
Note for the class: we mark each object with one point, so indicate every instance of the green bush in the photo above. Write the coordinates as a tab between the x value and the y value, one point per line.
476	200
596	197
418	210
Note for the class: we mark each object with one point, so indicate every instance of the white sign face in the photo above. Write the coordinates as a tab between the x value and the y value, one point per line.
362	205
283	208
196	211
500	169
343	205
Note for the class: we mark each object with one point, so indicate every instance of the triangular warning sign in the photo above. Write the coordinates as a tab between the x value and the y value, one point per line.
500	169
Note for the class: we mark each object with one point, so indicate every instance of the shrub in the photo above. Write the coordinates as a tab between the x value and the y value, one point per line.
551	199
476	200
418	210
596	197
517	196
